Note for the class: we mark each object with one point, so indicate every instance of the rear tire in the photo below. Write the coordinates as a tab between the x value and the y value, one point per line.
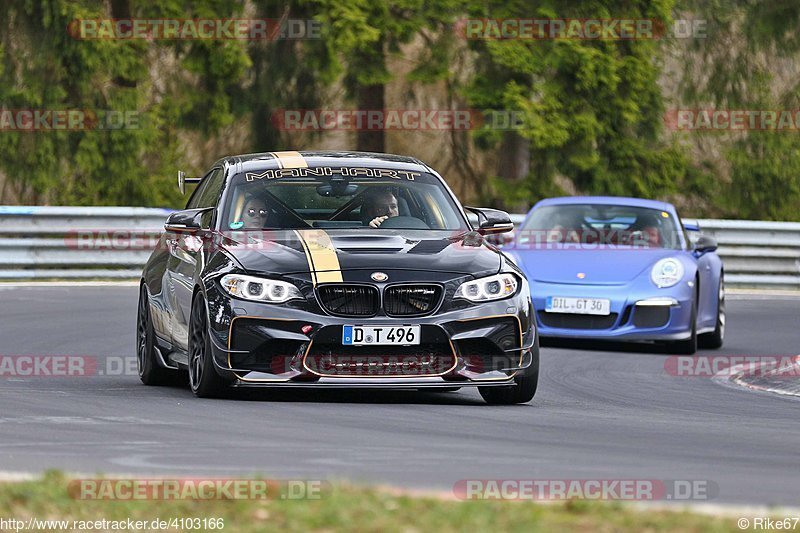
522	392
714	340
204	380
150	371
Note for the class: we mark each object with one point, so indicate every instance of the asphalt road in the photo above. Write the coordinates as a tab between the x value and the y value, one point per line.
601	413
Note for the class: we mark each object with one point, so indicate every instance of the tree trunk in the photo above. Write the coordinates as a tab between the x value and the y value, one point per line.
514	161
121	9
371	98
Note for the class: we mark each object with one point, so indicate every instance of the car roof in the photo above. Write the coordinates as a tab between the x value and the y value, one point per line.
324	158
606	200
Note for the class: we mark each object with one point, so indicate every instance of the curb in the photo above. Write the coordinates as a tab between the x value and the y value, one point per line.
772	380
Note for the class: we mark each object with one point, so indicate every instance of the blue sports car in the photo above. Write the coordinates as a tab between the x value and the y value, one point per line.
621	269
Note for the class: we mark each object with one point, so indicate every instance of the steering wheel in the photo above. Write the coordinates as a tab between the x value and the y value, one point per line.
404	222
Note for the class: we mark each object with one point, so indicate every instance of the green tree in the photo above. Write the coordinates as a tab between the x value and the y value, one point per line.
750	47
44	67
591	109
362	36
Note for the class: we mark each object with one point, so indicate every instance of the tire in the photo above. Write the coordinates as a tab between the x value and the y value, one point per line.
150	371
688	346
204	380
714	340
522	392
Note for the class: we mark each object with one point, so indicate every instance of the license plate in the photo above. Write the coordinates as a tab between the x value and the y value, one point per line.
380	335
580	306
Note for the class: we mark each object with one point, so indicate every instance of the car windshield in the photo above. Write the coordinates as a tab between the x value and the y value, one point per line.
597	224
373	199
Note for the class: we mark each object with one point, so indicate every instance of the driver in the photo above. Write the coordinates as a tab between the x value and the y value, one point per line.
379	204
646	229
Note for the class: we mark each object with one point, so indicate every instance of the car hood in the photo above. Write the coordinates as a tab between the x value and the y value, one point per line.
601	267
292	252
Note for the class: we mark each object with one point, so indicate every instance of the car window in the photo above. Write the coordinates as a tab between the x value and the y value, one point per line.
207	193
330	200
689	239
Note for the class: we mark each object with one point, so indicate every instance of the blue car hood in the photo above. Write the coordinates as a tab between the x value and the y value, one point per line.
600	267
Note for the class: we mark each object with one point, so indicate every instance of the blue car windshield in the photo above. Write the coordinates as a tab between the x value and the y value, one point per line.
600	224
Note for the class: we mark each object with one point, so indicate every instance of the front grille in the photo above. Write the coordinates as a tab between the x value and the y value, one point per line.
329	357
576	321
411	300
349	300
380	361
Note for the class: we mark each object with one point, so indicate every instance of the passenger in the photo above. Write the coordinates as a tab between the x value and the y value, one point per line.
254	214
565	228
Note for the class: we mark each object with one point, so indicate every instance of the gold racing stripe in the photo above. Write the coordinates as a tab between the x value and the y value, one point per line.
308	258
321	256
290	159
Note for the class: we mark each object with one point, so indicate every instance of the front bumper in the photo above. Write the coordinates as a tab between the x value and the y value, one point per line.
638	312
263	345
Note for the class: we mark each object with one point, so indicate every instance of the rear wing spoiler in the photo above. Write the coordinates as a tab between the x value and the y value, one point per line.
183	180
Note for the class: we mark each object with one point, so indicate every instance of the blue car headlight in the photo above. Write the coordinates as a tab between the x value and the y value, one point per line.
666	272
488	289
259	289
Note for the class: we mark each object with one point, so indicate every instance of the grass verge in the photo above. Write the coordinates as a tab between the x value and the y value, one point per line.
342	508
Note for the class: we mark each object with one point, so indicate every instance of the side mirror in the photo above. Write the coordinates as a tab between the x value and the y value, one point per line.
186	221
705	244
492	221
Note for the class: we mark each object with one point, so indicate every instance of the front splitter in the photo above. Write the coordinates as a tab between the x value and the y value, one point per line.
377	383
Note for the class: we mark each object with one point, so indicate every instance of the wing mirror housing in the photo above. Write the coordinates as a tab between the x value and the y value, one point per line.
705	244
187	220
492	221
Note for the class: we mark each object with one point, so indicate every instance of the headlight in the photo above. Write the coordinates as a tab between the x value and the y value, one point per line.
666	272
486	289
259	289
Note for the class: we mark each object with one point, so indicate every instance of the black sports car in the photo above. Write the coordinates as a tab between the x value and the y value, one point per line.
334	269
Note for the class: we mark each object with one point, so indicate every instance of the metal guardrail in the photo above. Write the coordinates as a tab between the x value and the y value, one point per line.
51	242
76	242
756	253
